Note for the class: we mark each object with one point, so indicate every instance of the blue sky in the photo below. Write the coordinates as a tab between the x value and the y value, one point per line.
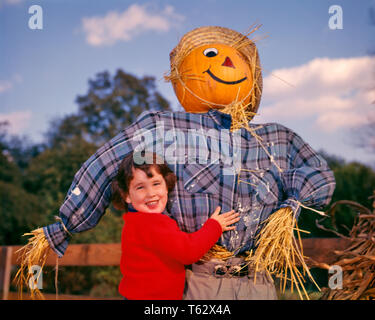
330	73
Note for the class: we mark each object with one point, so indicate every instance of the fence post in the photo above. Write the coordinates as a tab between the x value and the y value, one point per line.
5	270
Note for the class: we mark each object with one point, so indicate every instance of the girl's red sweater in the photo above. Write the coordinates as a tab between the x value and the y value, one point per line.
154	252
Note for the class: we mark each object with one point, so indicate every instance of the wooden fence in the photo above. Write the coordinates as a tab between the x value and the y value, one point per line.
320	250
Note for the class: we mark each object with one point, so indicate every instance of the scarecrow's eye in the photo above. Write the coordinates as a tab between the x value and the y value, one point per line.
210	52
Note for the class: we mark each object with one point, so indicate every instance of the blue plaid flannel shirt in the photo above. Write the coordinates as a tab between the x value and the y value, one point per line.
227	169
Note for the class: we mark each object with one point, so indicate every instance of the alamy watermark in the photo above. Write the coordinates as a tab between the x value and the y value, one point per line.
36	20
335	280
36	278
336	20
192	146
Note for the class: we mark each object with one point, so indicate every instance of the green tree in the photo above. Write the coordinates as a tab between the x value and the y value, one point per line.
111	104
50	174
354	182
17	207
18	210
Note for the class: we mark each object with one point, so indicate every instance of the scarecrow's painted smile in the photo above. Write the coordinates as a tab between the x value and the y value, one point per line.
212	76
221	80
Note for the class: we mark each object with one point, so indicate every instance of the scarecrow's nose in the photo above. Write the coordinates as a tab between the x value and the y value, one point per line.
228	63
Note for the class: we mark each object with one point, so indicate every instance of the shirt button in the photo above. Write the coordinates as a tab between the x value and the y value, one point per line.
76	191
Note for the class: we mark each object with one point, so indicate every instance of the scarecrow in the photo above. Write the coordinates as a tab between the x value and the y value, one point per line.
266	172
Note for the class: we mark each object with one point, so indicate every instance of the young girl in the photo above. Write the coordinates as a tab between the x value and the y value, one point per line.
154	250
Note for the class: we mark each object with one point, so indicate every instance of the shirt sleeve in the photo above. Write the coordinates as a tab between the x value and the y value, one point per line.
90	193
184	247
309	180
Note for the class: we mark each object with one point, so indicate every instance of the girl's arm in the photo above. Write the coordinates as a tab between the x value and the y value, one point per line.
188	248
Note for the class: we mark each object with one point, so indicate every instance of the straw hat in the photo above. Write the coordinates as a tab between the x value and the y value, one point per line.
213	34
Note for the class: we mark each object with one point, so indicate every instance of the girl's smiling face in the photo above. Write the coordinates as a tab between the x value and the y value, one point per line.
147	194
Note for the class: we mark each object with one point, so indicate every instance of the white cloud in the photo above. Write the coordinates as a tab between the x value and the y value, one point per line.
10	2
332	121
18	121
337	93
124	26
6	85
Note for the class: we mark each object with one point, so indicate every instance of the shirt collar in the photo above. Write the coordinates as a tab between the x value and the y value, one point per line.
222	119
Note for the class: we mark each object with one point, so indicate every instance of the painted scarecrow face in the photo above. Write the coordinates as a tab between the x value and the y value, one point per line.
212	76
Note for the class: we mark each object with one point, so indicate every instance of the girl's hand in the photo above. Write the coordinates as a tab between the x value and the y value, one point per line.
226	219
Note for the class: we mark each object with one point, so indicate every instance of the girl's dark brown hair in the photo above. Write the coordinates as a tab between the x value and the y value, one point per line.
120	184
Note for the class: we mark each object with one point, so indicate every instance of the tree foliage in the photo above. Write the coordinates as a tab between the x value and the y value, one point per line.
111	104
50	174
18	208
355	182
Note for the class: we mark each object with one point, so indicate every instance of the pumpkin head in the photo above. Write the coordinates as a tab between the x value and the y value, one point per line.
213	75
215	67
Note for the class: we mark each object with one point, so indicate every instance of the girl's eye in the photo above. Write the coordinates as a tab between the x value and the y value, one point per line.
210	52
138	188
156	183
